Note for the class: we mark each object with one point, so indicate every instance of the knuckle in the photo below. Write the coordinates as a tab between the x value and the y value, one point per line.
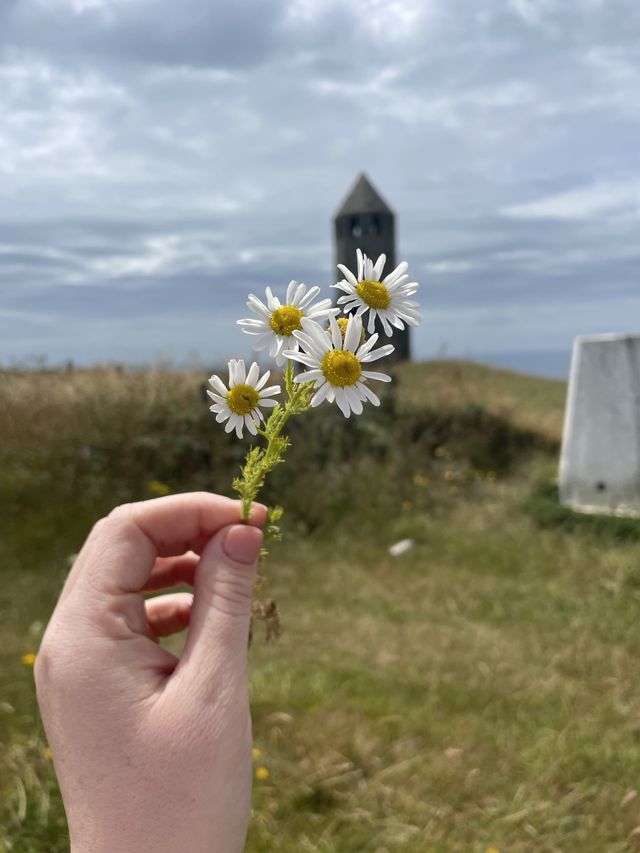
122	512
231	593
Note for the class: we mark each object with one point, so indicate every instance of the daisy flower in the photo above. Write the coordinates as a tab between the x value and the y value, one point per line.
239	404
336	363
387	299
276	323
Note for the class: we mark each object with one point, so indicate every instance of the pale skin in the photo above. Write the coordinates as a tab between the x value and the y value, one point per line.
152	752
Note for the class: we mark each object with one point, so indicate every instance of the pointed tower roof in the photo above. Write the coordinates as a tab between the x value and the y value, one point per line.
363	198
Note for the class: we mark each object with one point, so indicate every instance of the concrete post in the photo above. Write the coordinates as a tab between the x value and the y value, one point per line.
600	458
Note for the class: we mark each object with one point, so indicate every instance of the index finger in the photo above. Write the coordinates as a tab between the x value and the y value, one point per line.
121	550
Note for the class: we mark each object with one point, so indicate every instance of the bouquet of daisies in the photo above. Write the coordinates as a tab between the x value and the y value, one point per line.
335	351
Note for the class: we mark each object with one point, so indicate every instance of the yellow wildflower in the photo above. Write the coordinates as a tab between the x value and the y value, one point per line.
261	774
28	659
440	452
420	480
46	753
407	505
449	476
256	753
158	488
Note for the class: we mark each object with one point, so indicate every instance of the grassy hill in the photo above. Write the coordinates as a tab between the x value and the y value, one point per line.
478	692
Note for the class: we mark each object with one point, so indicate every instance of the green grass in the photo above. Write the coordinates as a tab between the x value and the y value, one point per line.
479	691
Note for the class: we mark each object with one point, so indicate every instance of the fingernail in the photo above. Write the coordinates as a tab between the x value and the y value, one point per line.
242	543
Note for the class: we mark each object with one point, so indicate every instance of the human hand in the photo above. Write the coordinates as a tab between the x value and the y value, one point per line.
152	753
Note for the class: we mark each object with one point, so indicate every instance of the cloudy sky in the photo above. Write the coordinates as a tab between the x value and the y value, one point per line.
159	160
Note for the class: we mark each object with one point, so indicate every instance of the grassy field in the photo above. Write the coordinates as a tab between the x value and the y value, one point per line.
479	693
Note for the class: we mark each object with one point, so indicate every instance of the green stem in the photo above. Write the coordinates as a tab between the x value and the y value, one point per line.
261	461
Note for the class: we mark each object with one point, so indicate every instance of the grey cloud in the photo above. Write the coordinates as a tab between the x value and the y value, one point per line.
159	160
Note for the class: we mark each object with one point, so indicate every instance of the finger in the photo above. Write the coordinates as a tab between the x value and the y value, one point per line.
221	610
121	551
168	614
172	571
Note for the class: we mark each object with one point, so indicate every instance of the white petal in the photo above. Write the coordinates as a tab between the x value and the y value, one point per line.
379	266
263	341
222	416
307	299
263	380
321	394
353	333
341	400
350	277
360	258
239	425
305	340
267	402
233	372
250	424
336	334
291	289
218	384
309	375
368	268
366	346
354	400
219	398
251	321
258	306
319	308
252	375
385	325
381	377
375	354
303	358
368	393
271	391
317	333
396	273
272	301
371	327
396	284
274	346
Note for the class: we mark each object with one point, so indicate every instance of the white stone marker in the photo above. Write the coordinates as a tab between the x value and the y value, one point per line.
600	458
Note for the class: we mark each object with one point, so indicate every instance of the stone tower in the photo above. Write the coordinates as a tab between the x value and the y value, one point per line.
365	221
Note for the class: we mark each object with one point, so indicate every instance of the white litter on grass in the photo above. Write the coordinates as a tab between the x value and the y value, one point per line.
401	547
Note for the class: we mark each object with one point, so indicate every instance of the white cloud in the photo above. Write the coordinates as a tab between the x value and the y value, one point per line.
448	267
605	199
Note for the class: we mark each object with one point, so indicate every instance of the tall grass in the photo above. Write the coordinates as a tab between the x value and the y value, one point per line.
478	692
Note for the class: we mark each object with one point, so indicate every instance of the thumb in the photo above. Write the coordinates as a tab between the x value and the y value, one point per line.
221	611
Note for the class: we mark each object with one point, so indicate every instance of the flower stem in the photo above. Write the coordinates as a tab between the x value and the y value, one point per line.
260	461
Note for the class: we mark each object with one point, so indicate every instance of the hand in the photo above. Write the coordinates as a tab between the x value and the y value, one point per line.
152	753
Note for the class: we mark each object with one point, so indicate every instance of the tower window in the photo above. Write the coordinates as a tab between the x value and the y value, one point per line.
356	227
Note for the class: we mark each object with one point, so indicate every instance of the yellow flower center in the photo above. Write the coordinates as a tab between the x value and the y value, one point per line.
342	325
284	321
374	293
342	322
242	399
341	368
